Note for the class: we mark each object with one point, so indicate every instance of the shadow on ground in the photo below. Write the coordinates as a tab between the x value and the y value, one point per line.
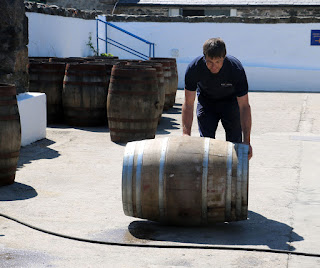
17	191
256	231
176	109
35	151
98	129
167	124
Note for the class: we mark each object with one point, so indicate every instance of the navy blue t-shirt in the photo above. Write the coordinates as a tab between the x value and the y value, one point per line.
229	83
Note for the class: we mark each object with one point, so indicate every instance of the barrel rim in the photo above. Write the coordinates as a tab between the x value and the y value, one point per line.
47	65
134	68
86	67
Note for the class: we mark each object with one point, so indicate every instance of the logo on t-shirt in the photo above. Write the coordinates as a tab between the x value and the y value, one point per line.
226	85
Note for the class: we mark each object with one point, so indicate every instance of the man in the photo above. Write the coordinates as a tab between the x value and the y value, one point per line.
222	89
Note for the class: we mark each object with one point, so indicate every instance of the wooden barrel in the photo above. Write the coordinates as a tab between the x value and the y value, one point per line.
133	103
39	59
160	80
173	80
102	58
185	180
69	60
84	95
10	134
47	77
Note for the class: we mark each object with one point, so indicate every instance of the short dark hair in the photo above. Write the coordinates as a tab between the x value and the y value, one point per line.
214	48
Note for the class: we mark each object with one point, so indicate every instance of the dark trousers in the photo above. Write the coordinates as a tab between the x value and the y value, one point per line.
210	115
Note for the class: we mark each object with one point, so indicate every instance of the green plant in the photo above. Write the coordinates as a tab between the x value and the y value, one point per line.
90	45
106	55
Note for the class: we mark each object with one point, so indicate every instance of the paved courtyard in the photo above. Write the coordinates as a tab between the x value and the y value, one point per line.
70	183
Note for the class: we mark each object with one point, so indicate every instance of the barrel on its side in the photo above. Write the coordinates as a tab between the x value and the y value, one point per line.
185	180
84	95
47	77
133	103
10	134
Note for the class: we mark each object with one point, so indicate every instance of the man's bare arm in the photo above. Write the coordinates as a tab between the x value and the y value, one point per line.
187	111
246	121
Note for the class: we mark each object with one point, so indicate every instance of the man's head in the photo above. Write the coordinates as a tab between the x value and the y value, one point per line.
214	50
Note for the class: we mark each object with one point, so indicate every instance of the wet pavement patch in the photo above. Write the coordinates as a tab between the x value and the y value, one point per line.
20	258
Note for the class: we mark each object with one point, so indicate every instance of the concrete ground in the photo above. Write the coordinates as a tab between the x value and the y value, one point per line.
70	183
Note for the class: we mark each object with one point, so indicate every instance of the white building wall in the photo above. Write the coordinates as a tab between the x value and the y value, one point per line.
275	56
58	36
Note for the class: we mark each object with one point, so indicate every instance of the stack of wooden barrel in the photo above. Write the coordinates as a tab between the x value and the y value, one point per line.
128	95
10	134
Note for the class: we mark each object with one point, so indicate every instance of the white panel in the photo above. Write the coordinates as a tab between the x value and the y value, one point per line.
33	116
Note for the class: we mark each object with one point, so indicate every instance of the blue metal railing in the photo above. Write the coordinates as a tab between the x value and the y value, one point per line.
122	46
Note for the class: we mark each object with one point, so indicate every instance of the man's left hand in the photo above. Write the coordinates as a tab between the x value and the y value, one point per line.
250	152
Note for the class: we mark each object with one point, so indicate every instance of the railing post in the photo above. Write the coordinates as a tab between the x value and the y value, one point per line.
106	25
119	45
97	36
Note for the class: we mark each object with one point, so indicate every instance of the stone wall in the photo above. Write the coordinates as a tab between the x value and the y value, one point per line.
61	11
279	12
130	10
215	19
91	15
105	6
13	44
249	11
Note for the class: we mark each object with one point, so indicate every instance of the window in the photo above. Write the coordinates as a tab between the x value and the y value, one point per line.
209	12
174	12
192	12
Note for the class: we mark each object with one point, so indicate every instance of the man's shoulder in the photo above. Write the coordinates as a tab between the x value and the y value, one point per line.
233	62
196	62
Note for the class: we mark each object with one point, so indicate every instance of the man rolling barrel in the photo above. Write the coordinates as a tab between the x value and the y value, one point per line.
222	89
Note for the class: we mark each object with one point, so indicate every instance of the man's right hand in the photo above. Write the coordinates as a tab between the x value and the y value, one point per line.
187	112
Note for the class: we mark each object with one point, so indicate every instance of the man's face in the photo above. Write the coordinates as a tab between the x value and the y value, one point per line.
214	64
